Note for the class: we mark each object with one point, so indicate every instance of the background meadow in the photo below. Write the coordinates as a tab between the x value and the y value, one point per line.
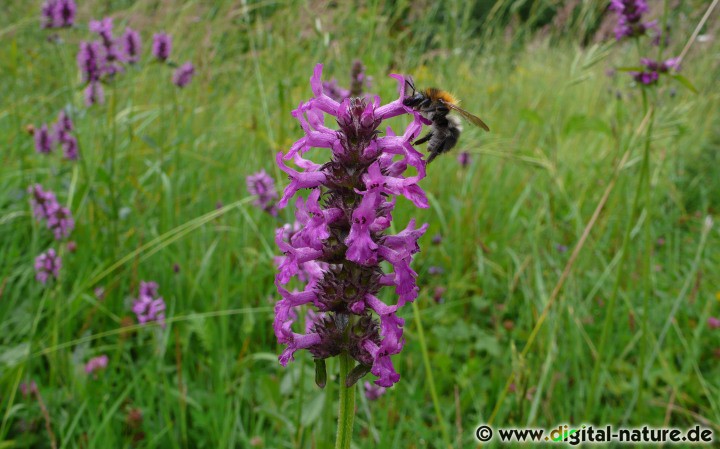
537	307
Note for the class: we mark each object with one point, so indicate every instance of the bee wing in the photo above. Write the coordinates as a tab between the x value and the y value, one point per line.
475	120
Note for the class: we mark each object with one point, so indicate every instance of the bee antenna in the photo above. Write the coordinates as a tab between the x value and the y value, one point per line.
409	81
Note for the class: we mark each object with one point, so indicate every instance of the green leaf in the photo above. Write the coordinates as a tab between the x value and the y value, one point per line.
630	69
685	82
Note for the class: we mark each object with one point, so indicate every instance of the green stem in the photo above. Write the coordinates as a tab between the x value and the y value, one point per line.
429	375
610	312
647	265
346	414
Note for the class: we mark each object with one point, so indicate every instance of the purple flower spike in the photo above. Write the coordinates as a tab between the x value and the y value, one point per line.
43	203
70	148
47	265
183	75
47	14
89	60
60	222
43	140
262	186
58	13
131	45
630	14
149	306
161	47
339	244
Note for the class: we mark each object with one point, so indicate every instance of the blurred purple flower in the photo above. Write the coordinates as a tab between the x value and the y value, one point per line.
262	186
71	246
359	82
61	134
63	125
183	75
60	221
434	271
70	147
94	94
149	306
99	293
630	14
561	248
373	392
58	13
28	389
438	294
43	202
333	90
89	61
464	159
43	140
437	239
112	56
713	323
131	45
46	207
341	226
161	47
654	69
96	364
47	265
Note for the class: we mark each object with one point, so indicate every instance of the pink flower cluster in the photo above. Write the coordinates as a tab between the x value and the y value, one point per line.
342	232
46	207
59	134
149	306
47	265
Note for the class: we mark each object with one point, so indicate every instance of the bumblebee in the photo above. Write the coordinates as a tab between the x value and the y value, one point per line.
435	105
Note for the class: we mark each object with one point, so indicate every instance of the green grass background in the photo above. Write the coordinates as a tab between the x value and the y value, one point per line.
155	161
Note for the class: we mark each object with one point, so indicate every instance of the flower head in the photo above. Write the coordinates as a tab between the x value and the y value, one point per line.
464	159
112	55
47	265
184	74
262	186
89	60
96	364
131	45
341	232
149	306
43	140
713	323
43	202
653	70
630	14
58	13
60	221
161	47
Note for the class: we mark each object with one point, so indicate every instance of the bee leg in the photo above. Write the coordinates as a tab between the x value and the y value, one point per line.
422	140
